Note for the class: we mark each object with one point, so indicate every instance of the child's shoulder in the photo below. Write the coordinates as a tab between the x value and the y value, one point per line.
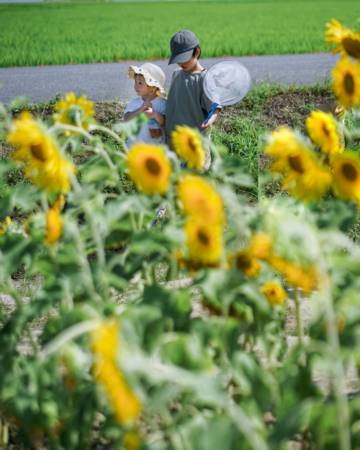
159	104
135	101
133	104
159	100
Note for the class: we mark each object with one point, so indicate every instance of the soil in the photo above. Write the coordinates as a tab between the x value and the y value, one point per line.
291	108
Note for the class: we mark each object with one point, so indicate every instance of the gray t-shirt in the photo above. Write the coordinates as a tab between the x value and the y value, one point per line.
187	103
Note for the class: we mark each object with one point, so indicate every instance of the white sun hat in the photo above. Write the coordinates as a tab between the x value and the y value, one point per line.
153	75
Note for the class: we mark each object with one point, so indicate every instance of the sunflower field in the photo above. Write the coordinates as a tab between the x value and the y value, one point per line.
147	304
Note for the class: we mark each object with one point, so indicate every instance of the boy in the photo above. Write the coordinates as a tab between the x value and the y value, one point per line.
149	81
186	102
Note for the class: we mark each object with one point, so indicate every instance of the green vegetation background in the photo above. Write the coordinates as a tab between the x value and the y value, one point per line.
62	33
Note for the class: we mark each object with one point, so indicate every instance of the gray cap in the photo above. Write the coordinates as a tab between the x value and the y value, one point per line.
182	45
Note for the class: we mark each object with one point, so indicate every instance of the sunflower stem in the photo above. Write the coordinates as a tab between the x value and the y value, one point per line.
141	220
336	363
61	127
100	251
109	162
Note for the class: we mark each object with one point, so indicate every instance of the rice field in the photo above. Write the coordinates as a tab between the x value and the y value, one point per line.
65	33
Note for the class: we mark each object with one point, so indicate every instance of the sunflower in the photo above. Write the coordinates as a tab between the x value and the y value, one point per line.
40	155
77	111
346	173
188	145
205	242
260	246
124	402
279	143
246	263
54	222
304	177
149	168
33	144
295	275
346	41
346	82
322	129
274	292
313	184
199	199
288	153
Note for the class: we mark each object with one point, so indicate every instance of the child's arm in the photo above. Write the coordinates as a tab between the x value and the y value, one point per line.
160	118
143	108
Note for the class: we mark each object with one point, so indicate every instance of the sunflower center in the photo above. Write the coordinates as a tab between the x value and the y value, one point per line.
153	166
349	84
325	130
38	152
352	47
243	262
192	146
203	237
296	164
349	172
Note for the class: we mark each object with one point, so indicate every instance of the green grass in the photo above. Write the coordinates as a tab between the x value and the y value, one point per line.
64	33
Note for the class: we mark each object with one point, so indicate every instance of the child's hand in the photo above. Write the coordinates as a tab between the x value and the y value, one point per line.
149	112
146	105
205	125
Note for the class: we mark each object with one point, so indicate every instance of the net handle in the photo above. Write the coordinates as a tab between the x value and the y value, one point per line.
213	108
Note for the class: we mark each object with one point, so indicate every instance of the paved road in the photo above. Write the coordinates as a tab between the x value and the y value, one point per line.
109	81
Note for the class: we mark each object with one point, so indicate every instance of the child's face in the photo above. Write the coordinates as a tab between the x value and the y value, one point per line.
191	65
141	88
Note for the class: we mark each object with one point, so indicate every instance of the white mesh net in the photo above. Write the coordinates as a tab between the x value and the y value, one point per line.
227	82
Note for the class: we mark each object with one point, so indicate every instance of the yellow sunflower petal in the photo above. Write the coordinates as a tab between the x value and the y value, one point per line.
187	143
199	199
280	142
124	402
346	40
301	277
149	168
204	242
39	153
304	177
260	246
246	263
346	82
73	110
54	225
105	345
322	129
346	173
335	32
274	292
311	185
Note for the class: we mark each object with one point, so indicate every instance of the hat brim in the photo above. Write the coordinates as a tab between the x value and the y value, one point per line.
181	58
135	70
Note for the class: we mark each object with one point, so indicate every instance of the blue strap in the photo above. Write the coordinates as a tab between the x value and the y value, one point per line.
213	108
